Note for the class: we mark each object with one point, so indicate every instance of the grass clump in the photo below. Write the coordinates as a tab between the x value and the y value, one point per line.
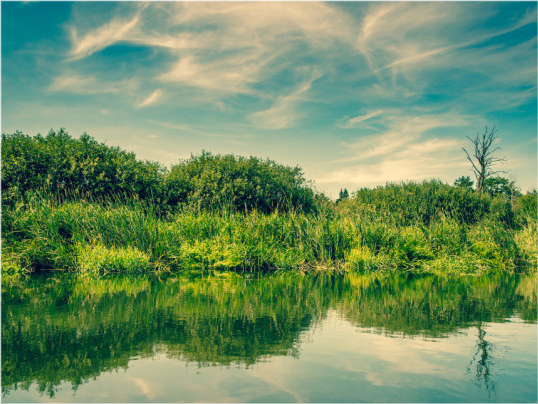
99	259
9	266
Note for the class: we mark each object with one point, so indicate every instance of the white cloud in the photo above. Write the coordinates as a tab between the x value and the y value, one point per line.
99	38
354	122
410	148
152	99
223	46
82	85
284	111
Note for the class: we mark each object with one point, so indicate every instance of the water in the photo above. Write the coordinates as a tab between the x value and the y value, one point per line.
283	338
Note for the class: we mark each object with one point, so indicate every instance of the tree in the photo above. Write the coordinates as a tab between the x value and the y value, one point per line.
464	182
344	194
499	186
483	154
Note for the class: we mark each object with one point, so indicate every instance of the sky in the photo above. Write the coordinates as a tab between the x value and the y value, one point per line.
357	94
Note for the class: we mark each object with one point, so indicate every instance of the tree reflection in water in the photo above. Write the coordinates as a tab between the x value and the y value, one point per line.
482	361
71	329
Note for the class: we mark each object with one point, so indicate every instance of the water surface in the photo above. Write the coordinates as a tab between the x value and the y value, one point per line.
280	338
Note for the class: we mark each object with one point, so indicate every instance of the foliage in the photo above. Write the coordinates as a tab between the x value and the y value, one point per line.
344	194
234	213
526	208
58	164
464	182
217	182
425	202
43	233
499	186
101	260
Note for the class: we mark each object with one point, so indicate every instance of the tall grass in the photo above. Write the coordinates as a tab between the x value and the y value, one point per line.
44	233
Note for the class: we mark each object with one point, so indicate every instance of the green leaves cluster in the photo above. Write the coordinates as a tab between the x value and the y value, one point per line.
215	182
84	168
58	164
425	202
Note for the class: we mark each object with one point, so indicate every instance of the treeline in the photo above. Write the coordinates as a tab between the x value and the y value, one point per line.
76	204
69	168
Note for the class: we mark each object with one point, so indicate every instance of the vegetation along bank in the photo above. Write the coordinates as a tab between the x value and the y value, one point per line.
80	205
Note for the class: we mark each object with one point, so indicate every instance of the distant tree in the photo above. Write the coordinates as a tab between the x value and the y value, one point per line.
344	194
500	186
483	154
464	182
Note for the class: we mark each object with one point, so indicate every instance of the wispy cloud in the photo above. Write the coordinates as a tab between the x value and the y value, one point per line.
82	85
410	148
152	99
101	37
409	45
234	45
354	122
284	111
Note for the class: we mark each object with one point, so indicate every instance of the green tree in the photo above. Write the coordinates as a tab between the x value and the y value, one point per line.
344	194
500	186
62	165
464	182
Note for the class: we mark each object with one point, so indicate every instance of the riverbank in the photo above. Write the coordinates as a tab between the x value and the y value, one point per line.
43	233
79	205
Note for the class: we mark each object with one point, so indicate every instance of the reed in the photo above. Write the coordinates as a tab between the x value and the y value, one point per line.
43	232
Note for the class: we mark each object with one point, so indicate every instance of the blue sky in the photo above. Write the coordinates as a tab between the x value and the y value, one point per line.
356	93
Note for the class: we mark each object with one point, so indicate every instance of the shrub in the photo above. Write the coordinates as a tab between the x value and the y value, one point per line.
409	203
61	165
527	205
9	266
216	182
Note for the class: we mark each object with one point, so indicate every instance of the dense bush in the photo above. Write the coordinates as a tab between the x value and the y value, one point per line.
526	208
216	182
425	202
61	165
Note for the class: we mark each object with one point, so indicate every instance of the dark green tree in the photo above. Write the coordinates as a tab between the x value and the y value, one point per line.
497	186
344	194
464	182
64	166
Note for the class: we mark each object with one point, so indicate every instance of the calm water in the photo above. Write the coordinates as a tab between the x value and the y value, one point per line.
281	338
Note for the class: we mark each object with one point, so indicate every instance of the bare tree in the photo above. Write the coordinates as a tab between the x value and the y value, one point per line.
483	154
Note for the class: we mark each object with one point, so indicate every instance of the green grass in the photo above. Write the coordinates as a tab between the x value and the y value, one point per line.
42	233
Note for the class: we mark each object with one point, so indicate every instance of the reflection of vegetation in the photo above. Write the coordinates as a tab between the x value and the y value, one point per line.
434	306
482	359
69	328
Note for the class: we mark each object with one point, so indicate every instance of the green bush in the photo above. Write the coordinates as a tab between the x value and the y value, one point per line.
216	182
63	166
409	203
527	205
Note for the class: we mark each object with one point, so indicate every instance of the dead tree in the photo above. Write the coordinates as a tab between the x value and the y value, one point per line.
483	153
